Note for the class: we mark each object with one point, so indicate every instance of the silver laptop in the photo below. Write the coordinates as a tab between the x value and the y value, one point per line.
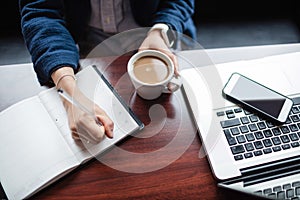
247	152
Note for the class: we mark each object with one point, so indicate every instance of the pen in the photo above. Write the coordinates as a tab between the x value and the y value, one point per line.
77	104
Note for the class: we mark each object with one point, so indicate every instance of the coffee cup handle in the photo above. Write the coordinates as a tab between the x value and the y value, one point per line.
174	84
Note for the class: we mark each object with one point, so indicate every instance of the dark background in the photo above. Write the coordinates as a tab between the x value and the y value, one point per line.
9	17
220	23
236	9
205	10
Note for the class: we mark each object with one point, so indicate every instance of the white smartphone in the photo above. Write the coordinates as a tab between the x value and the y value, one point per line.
244	91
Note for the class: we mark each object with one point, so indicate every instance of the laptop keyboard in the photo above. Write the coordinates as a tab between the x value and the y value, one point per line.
284	191
250	136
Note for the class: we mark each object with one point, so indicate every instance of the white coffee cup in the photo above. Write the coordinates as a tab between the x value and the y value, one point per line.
165	80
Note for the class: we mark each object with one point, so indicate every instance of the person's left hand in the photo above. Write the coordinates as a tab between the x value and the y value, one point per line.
155	41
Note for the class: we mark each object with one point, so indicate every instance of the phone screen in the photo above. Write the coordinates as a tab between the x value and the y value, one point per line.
257	96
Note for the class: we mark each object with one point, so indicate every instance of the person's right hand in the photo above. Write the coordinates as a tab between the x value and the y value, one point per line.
83	126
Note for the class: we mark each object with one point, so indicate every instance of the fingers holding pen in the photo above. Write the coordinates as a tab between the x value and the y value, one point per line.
107	124
94	131
103	119
89	127
90	130
88	120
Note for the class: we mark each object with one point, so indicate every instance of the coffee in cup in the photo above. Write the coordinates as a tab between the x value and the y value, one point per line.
152	73
151	69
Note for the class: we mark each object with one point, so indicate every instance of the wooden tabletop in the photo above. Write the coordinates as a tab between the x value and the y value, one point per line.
164	161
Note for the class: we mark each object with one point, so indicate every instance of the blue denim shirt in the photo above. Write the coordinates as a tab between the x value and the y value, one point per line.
52	27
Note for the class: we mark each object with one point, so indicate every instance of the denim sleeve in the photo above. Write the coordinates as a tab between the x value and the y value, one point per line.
177	13
47	38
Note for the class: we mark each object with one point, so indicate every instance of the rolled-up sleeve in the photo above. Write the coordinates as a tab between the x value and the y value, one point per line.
47	38
177	13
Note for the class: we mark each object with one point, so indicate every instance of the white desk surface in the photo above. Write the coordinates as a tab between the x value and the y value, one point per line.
19	80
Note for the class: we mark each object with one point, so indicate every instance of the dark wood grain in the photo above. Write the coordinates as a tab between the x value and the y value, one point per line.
188	177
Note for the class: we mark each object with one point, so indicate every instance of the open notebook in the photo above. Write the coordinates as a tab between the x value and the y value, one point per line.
36	147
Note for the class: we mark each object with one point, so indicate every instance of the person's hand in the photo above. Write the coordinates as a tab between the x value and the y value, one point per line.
83	126
155	41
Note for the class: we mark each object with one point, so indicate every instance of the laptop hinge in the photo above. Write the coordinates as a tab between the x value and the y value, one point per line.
255	179
271	170
271	176
278	164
